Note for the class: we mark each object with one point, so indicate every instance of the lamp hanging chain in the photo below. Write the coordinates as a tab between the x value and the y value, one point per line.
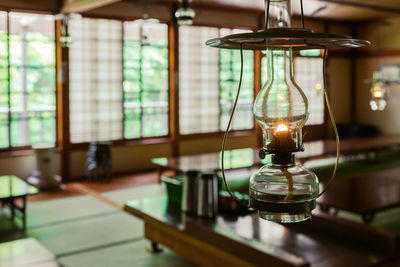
267	15
302	13
228	127
332	118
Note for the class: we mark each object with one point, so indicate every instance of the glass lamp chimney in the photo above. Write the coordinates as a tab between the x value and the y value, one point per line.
185	14
282	191
281	101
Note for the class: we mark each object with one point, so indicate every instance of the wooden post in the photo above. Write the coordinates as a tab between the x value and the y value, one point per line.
173	76
62	102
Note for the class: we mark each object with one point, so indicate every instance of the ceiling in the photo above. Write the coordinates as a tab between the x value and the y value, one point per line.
389	4
331	9
347	10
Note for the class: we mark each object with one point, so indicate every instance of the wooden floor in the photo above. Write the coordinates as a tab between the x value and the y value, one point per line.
77	188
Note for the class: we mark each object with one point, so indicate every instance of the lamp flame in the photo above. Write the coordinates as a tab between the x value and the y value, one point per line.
281	128
378	94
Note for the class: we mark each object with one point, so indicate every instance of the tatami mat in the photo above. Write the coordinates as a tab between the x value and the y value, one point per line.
388	220
88	233
123	195
130	254
66	209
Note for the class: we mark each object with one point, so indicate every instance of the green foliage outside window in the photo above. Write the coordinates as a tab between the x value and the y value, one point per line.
27	96
145	89
3	91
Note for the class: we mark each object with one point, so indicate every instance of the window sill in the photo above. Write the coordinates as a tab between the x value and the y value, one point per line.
128	142
166	139
144	141
219	134
20	152
16	153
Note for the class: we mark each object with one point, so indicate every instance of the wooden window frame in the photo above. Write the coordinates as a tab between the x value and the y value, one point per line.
63	143
62	106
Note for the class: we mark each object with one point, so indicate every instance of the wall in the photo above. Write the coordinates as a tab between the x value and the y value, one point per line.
385	49
338	70
22	166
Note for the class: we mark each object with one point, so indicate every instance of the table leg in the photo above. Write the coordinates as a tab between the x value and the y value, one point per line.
368	217
12	209
23	210
154	248
324	208
335	212
160	171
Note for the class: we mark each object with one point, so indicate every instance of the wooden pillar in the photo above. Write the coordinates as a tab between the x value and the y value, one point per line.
173	76
62	102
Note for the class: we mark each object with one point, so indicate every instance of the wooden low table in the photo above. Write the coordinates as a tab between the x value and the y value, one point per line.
248	241
25	252
248	157
13	188
364	194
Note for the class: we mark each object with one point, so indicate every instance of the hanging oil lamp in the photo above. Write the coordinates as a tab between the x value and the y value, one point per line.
378	93
185	14
282	191
145	20
65	38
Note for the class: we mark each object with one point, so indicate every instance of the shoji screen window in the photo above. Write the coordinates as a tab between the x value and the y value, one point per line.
27	79
228	82
95	72
308	75
145	80
198	81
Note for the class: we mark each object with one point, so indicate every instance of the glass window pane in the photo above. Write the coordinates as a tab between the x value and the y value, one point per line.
155	121
19	129
41	127
132	123
145	80
32	80
4	138
3	129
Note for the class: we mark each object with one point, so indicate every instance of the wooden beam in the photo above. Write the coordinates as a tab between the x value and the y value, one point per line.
45	6
364	6
79	6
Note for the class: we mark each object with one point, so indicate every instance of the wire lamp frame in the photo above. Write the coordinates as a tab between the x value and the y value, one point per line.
284	38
